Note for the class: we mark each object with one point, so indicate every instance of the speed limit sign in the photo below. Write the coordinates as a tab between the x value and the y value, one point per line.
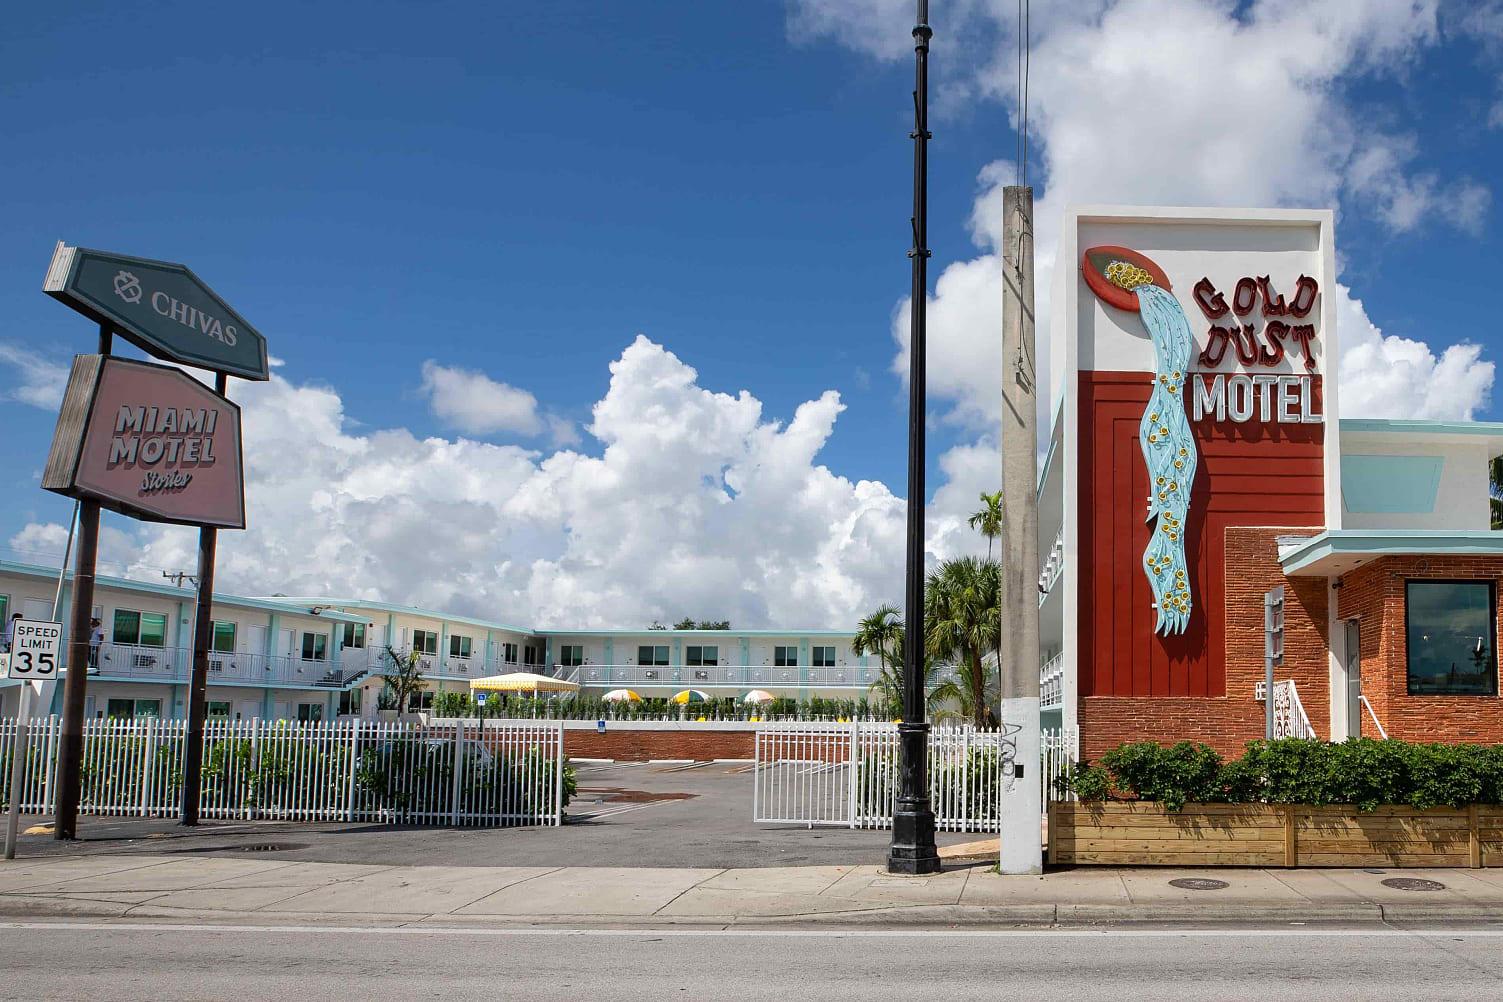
34	650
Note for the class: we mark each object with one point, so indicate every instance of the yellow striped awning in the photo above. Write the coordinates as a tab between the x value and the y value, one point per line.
522	681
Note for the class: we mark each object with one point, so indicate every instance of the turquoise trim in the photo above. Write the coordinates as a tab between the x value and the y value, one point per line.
746	652
707	634
406	610
1391	542
1417	427
1389	485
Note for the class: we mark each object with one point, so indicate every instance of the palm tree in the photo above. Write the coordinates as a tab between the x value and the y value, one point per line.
988	521
881	633
962	620
1495	491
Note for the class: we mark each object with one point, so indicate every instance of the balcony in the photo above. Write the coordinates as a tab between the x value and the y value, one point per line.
1053	565
1052	683
173	664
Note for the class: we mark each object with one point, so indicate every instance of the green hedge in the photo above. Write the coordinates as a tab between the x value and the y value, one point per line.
588	707
1361	771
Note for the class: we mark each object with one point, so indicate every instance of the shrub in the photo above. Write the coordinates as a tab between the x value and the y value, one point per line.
1173	776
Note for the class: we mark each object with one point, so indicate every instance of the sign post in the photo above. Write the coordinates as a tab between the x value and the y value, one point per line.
150	442
1273	651
33	659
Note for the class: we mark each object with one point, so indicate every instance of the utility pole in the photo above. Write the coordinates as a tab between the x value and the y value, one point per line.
912	850
1021	806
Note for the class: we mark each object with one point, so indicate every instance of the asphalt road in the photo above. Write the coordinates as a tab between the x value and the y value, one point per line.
637	814
160	963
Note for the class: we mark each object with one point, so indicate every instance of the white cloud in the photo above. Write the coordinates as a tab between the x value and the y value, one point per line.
476	404
1178	102
39	381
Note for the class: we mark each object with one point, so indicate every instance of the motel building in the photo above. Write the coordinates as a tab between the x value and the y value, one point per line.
1198	459
314	659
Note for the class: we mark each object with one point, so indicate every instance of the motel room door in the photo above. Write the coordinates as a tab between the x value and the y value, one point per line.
1353	640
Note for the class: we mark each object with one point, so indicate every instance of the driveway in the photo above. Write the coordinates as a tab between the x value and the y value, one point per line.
626	814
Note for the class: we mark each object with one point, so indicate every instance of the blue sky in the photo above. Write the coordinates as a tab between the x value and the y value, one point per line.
381	184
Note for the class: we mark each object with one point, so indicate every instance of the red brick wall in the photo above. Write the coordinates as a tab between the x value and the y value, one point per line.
626	745
1374	595
1228	722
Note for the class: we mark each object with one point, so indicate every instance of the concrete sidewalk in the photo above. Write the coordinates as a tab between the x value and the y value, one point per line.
268	891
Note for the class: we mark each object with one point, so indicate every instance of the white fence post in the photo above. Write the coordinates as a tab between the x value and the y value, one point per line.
349	797
853	771
457	783
147	759
558	774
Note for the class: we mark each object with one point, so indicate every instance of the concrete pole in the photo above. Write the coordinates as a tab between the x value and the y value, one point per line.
1021	807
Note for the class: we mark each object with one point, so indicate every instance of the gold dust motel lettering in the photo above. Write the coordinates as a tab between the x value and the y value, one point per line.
168	438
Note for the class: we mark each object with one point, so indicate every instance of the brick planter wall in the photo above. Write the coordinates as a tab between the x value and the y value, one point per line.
627	743
1374	595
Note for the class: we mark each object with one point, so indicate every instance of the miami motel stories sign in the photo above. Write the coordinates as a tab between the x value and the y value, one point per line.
148	441
162	308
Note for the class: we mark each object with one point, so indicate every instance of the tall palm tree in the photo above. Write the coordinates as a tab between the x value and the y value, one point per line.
962	620
988	521
881	633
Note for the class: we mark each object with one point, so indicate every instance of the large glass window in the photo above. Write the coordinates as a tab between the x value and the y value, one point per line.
699	657
149	629
354	635
219	707
224	637
655	656
315	647
1451	627
532	655
785	657
459	646
824	657
571	655
425	641
349	702
509	653
310	713
128	709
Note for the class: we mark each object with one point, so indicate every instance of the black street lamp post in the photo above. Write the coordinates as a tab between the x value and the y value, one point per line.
913	850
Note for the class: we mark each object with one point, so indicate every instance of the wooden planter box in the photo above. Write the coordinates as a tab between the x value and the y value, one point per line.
1145	834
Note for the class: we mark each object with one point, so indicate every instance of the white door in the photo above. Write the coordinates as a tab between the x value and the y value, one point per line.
1353	679
288	637
255	640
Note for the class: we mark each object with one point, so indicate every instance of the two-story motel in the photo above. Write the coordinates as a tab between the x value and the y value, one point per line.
1198	460
321	658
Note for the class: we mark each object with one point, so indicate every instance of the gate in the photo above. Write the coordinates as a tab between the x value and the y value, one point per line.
846	774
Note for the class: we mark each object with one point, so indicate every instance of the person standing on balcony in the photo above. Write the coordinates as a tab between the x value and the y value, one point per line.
96	637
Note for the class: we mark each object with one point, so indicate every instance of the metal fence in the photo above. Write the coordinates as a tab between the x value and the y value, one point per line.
847	774
498	772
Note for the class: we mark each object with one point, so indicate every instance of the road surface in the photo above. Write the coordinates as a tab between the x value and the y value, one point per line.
97	960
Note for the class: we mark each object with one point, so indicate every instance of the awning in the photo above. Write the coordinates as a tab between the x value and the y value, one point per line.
1339	551
522	681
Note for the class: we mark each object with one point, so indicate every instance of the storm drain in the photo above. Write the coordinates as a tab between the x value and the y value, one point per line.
1413	884
1198	884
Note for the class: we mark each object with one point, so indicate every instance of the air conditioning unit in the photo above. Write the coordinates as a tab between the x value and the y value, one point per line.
144	661
701	676
650	673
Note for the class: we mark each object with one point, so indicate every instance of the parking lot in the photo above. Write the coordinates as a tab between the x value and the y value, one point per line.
625	815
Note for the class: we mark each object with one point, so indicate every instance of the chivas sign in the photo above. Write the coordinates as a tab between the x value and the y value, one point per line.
148	441
162	308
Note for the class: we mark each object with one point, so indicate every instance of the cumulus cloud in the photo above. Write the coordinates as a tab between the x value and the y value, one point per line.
698	504
1181	102
38	381
476	404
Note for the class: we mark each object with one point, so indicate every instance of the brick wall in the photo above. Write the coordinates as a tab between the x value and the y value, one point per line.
1227	722
1374	595
622	743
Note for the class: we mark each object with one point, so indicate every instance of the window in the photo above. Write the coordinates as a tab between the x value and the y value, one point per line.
785	657
509	653
824	657
571	655
656	656
420	701
149	629
129	709
354	635
219	708
4	608
531	655
459	647
310	713
697	657
224	637
315	647
1452	628
349	702
425	641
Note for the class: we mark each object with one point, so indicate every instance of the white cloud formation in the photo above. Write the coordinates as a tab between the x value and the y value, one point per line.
1181	102
476	404
38	381
698	504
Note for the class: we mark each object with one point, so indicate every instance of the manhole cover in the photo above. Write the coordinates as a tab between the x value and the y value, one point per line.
1198	884
1413	884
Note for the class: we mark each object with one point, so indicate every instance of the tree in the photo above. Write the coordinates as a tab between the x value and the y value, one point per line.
988	521
962	620
406	678
1495	492
689	623
881	633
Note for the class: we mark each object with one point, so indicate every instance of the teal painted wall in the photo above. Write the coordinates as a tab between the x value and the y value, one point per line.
1390	484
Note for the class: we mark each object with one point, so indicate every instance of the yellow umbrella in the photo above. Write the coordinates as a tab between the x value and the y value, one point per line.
758	696
690	696
521	681
621	696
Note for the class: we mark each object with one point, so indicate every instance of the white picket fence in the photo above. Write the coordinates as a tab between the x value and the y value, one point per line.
497	772
846	775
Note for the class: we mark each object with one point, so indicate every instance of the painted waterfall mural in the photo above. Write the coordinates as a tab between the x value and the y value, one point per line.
1129	281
